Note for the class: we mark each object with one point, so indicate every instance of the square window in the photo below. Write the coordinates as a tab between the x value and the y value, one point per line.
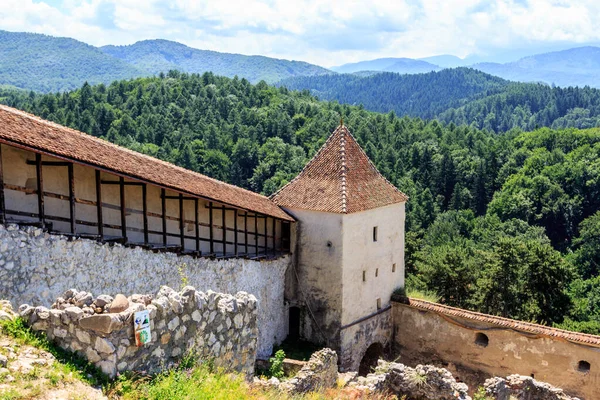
374	233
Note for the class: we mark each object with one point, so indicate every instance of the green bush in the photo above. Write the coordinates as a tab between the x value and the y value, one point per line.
276	368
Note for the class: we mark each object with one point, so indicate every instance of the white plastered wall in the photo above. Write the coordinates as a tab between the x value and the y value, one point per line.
362	254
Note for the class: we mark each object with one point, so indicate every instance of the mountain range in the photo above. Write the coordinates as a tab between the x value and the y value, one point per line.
48	64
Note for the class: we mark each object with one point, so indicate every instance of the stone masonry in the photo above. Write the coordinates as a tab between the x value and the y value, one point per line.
36	267
215	326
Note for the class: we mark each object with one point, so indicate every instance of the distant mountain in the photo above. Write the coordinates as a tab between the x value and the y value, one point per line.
155	56
420	95
446	61
574	67
399	65
47	64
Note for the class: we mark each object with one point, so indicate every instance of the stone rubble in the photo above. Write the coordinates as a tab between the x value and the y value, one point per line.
522	388
422	382
214	326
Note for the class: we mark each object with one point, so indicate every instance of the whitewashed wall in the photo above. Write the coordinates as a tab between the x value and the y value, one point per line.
36	267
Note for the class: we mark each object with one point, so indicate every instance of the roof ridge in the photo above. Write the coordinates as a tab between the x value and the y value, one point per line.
343	176
106	142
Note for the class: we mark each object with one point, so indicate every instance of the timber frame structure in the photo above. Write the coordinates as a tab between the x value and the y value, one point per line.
64	193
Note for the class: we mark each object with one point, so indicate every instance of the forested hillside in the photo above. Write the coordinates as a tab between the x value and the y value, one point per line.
462	96
155	56
503	223
48	64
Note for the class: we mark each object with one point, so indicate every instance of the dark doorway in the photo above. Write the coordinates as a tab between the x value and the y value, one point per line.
369	360
294	323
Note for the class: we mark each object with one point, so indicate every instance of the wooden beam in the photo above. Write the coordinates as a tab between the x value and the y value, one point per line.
274	230
2	201
145	211
224	230
235	231
177	197
72	198
266	238
246	233
51	163
122	182
123	215
99	204
210	222
40	187
197	223
181	222
255	234
164	216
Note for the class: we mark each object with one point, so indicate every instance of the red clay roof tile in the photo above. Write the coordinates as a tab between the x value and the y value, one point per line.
25	130
339	179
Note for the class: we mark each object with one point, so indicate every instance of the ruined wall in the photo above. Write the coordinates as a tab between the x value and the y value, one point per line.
356	339
426	337
36	267
216	326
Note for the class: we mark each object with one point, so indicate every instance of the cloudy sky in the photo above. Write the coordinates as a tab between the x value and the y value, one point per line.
325	32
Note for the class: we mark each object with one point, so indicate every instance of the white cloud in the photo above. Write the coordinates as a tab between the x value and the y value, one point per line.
326	32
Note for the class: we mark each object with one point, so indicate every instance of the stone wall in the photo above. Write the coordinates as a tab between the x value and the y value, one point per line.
356	339
215	326
474	350
36	267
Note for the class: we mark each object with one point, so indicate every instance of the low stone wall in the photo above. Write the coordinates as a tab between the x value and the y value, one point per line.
522	388
213	325
475	350
36	267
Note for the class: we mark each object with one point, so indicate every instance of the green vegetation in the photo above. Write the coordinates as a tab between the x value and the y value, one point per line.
276	368
48	64
506	223
462	96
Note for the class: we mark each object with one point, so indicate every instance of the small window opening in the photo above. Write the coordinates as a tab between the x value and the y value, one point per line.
374	233
583	366
376	272
533	375
364	276
394	267
482	340
379	303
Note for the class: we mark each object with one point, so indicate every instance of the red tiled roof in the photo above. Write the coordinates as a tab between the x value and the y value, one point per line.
561	334
25	130
339	179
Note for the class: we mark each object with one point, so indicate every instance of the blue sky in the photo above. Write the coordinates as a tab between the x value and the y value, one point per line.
325	32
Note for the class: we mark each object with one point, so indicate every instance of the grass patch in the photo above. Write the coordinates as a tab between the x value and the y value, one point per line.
68	365
426	295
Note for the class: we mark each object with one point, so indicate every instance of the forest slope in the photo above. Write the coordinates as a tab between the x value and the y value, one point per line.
462	96
505	223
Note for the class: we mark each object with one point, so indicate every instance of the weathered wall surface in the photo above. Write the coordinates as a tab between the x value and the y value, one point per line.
36	267
376	259
356	339
216	326
319	273
428	337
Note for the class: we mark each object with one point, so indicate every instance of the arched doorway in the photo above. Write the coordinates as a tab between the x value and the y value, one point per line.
369	360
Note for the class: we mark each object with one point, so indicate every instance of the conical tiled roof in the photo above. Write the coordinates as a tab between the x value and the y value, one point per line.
339	179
